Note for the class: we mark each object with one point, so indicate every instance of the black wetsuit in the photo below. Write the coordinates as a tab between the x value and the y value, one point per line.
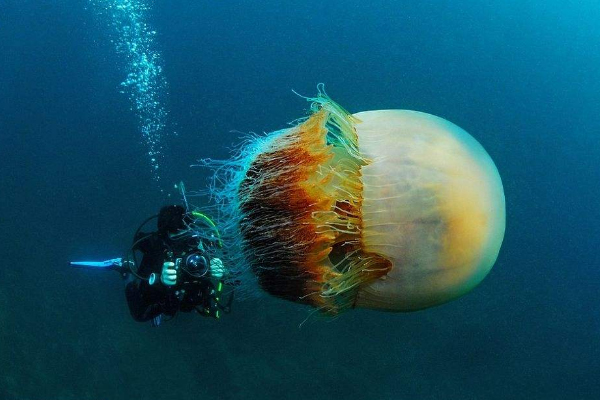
148	301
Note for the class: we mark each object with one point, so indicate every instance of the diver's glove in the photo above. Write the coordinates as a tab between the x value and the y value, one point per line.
217	269
169	274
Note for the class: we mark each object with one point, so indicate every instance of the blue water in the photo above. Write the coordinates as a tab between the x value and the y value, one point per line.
76	178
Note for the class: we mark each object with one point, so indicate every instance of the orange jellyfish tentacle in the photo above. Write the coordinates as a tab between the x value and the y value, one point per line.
301	206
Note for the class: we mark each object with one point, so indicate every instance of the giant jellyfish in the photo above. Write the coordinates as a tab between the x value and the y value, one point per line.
391	210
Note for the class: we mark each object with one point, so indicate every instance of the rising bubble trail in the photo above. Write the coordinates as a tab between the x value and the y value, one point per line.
144	84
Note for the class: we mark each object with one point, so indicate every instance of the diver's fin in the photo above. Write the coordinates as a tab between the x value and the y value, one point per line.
115	263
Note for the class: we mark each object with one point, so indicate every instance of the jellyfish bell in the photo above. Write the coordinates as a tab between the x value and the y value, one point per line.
433	204
391	209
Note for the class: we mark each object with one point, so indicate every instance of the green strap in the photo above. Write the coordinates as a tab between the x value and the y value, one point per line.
210	223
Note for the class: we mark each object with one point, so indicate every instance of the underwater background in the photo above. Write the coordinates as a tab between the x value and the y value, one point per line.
77	176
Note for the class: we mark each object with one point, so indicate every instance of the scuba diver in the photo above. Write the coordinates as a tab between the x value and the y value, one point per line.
179	270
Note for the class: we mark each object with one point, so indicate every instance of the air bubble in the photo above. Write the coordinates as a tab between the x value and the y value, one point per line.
144	84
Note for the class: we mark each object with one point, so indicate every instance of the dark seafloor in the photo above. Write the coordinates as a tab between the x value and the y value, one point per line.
521	76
